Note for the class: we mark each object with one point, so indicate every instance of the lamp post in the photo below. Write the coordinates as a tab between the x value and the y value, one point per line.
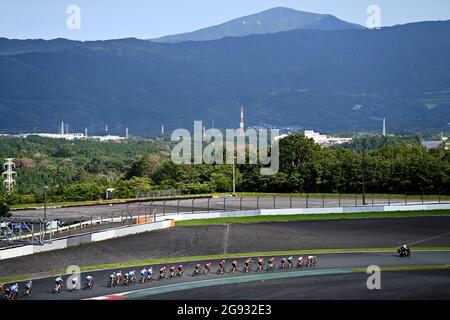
234	176
363	171
45	211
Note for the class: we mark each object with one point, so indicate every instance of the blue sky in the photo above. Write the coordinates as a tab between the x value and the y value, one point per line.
111	19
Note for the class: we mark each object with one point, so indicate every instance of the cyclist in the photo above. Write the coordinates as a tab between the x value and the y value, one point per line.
119	277
28	288
300	262
172	271
283	263
289	261
89	282
74	282
197	269
208	267
149	273
132	276
221	267
234	266
144	275
162	272
247	265
260	263
14	289
180	270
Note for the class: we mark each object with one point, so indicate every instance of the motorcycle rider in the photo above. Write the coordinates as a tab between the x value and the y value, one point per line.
234	266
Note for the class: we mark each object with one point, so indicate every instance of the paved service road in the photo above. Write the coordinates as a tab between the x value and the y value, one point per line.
328	266
201	205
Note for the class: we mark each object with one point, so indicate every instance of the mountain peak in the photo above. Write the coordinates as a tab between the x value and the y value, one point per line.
268	21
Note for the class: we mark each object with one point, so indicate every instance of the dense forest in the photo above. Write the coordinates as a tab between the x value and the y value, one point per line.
82	170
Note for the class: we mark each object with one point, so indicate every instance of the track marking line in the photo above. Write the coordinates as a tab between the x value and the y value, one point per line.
220	281
430	238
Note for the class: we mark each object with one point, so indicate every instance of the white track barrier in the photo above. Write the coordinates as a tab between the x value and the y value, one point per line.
294	211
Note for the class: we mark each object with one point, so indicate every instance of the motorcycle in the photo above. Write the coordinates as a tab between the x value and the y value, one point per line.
402	252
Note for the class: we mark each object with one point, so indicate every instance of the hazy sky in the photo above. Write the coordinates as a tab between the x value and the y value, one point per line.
110	19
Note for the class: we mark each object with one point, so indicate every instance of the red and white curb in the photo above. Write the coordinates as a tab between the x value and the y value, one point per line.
110	297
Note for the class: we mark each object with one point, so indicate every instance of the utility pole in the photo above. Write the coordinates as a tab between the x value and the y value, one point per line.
9	173
363	171
234	175
45	210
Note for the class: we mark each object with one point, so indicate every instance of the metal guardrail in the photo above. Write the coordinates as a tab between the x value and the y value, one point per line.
134	212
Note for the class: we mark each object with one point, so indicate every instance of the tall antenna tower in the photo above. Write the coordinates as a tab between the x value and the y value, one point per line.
241	123
9	173
384	127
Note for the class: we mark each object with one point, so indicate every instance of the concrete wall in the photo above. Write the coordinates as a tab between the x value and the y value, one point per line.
293	211
85	238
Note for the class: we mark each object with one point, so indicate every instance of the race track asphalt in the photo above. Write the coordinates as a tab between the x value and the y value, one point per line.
322	275
241	238
395	285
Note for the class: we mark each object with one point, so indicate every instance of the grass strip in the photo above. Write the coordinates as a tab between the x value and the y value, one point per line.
304	217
